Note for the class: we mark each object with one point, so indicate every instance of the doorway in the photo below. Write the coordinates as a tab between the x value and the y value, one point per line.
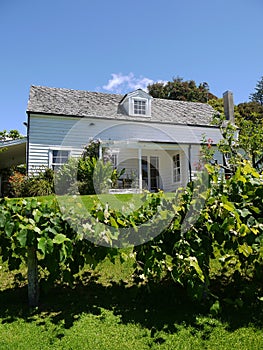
150	173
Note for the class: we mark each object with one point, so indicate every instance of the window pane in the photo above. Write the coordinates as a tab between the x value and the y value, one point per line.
139	107
176	168
59	158
114	160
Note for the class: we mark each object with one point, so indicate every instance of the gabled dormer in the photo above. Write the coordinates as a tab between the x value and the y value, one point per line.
137	103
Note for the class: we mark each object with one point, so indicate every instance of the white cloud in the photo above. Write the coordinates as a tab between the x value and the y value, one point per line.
120	83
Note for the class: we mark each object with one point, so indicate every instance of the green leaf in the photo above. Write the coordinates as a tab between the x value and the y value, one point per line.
66	250
121	222
9	226
113	222
245	249
229	206
215	308
244	212
255	209
2	219
22	237
243	230
194	263
37	215
254	230
60	238
45	245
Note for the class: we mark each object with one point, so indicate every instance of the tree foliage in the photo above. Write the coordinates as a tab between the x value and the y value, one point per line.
249	127
257	96
10	135
181	90
250	111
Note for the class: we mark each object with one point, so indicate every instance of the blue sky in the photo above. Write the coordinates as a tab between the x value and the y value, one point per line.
117	46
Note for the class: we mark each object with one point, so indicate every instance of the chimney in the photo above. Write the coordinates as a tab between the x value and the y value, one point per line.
229	106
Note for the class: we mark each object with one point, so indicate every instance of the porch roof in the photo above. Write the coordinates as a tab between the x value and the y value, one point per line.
12	153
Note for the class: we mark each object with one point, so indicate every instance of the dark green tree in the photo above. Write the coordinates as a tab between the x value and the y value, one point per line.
257	96
250	111
11	135
181	90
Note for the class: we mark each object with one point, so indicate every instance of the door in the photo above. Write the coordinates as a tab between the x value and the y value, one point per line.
154	173
150	173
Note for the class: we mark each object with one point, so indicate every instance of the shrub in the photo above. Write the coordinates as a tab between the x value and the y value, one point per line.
41	184
16	182
65	179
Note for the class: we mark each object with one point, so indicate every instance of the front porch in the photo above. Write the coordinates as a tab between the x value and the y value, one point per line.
148	165
12	153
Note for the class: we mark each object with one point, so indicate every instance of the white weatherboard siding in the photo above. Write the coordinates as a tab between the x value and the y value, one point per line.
76	131
48	133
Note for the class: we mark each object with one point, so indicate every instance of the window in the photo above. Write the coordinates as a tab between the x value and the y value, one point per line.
58	158
139	107
137	103
114	160
176	168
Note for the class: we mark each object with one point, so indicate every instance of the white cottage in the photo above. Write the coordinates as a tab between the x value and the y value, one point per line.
156	140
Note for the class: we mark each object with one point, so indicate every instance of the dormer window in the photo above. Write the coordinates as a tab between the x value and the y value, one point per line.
139	107
137	103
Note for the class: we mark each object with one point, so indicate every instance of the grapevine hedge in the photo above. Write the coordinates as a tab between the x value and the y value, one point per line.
228	226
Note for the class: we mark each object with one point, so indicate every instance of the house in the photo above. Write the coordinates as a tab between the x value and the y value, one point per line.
156	140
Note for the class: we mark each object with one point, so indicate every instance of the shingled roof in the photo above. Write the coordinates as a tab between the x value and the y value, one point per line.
78	103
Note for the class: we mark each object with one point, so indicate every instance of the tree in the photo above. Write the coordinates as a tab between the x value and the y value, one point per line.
249	121
257	96
7	136
250	111
251	140
11	135
180	90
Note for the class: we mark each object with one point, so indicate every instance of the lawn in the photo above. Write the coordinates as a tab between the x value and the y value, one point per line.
127	202
107	311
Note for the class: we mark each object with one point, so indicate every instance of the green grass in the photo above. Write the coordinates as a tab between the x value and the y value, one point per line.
107	311
127	202
124	202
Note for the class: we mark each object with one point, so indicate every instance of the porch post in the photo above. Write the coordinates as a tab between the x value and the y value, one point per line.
140	168
187	165
190	162
100	151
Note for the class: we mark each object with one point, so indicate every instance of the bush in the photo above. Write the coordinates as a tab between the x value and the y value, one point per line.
16	182
65	179
41	184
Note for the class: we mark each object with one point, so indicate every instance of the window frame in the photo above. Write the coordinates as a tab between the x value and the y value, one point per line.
56	165
177	168
139	106
114	160
139	100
